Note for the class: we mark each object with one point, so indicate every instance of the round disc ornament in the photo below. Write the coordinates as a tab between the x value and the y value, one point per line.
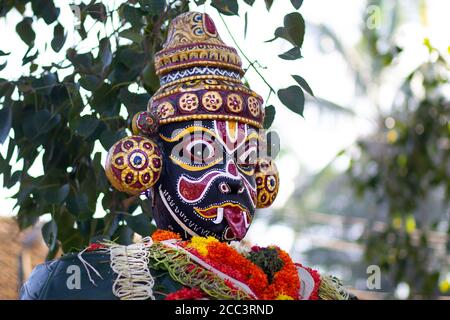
267	182
134	164
144	123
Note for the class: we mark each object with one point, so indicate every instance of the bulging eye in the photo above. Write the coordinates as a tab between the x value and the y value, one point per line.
247	159
200	151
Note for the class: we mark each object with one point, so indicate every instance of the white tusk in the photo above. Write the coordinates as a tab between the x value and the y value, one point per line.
245	219
219	216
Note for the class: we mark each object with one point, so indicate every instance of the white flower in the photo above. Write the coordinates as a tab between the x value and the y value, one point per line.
242	247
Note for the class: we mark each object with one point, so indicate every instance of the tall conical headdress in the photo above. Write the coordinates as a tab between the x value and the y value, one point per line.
201	77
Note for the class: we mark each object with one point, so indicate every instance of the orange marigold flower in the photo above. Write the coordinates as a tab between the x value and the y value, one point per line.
286	281
162	235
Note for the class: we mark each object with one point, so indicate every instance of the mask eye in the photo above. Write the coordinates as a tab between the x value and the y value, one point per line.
246	159
199	151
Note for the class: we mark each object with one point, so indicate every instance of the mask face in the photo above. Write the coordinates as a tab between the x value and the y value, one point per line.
208	186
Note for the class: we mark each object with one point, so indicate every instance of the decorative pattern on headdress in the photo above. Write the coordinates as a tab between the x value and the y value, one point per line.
201	77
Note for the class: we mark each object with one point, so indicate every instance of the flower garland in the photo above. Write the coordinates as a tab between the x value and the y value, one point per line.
162	235
186	294
237	265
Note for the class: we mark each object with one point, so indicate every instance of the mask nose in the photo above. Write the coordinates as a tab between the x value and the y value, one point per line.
231	186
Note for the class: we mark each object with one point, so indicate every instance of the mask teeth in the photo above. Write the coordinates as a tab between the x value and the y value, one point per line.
245	219
219	216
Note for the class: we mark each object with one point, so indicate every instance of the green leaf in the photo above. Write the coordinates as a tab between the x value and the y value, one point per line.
90	82
87	125
2	66
153	7
297	3
105	56
28	58
293	98
292	54
5	122
105	100
140	224
59	38
45	84
200	2
78	206
133	101
293	29
38	123
49	233
13	179
56	195
82	62
44	121
3	53
151	80
269	4
269	116
133	15
226	7
132	34
109	137
249	2
25	31
45	9
97	11
302	82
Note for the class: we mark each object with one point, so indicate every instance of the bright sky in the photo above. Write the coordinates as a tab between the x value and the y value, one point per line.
310	142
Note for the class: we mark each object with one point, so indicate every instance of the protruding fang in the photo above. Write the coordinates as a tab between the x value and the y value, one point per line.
219	216
245	219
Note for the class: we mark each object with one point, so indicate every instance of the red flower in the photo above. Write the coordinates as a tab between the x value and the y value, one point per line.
95	246
185	294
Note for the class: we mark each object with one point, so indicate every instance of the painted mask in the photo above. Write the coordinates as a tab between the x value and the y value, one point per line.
197	147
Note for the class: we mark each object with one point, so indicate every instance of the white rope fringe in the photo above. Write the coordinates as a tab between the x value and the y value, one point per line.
130	263
86	265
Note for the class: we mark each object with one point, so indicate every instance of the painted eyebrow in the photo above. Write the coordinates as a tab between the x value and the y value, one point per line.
253	135
187	131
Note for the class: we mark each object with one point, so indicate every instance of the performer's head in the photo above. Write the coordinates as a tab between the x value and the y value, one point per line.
199	146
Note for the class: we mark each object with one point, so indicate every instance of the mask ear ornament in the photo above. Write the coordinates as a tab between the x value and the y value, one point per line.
267	182
134	164
144	123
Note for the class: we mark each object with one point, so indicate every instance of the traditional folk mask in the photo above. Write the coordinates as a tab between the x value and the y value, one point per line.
197	145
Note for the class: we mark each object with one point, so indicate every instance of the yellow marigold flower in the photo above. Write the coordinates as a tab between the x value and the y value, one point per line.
200	244
284	297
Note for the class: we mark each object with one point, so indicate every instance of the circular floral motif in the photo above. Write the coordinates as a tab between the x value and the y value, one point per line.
165	110
212	101
253	106
133	164
144	123
234	103
188	102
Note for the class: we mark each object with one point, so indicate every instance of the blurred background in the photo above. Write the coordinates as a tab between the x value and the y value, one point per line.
365	174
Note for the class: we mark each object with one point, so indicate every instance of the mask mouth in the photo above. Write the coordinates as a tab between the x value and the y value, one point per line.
237	216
